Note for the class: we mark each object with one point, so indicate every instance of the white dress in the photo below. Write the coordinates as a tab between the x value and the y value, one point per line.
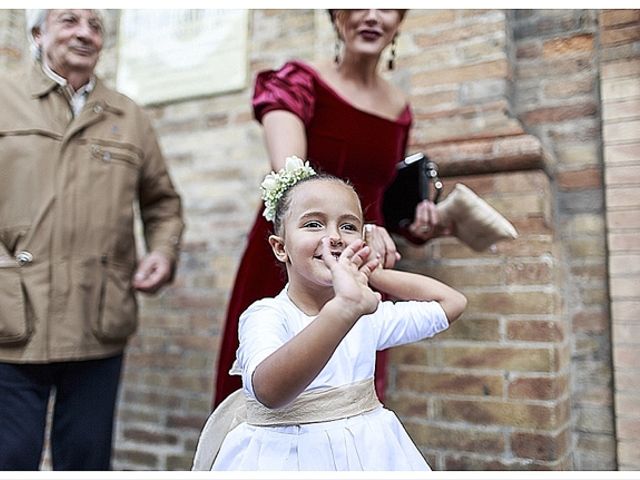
375	440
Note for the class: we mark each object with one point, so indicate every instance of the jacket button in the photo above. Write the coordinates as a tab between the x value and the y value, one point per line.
98	109
106	156
24	257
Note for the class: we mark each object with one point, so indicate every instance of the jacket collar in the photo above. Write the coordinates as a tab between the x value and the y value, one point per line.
41	85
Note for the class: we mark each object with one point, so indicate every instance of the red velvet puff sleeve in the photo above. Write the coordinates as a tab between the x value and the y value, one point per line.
291	88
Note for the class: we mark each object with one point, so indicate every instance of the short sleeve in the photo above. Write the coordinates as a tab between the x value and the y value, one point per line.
291	88
261	332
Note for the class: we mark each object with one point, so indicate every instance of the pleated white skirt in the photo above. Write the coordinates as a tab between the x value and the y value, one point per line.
372	441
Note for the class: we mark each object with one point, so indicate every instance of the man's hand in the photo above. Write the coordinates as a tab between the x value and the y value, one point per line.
153	271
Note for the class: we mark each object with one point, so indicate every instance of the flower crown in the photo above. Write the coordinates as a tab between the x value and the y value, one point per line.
276	183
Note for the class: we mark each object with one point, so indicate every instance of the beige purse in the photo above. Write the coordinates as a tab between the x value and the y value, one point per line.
478	224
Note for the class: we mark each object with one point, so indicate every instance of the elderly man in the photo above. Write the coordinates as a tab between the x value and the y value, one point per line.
75	156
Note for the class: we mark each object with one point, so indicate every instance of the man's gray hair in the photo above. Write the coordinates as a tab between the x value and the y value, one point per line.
36	19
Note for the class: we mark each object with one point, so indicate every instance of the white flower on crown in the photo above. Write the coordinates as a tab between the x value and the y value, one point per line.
276	183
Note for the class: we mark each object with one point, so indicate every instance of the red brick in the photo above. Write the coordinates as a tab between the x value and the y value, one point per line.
538	388
456	34
137	457
427	101
587	272
470	328
412	354
180	462
620	35
555	67
407	404
522	273
457	462
149	437
457	439
518	415
449	383
423	19
534	331
579	179
464	73
562	89
609	18
559	114
590	321
521	303
484	275
502	358
567	46
539	446
529	50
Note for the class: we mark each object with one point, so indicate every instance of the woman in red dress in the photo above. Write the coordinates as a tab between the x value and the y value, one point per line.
346	120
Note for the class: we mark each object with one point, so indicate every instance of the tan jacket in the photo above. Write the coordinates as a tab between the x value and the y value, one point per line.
67	192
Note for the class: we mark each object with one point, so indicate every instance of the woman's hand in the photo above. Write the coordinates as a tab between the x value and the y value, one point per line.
381	244
426	223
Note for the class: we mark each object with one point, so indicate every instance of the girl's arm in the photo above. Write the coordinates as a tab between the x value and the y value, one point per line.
284	374
412	286
285	136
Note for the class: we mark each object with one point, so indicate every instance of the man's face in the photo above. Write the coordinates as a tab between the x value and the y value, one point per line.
71	41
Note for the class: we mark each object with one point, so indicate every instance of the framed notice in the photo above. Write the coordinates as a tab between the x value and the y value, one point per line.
168	55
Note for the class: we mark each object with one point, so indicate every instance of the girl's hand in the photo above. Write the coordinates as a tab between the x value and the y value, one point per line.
426	223
381	243
350	272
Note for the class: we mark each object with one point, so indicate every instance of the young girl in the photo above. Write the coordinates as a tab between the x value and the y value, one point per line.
307	356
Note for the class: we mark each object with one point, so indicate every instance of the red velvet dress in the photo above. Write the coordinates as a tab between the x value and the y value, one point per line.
341	140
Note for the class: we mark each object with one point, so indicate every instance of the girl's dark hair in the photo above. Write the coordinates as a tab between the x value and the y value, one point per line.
283	204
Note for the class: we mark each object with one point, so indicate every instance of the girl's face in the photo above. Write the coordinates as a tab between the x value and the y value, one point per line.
317	209
367	32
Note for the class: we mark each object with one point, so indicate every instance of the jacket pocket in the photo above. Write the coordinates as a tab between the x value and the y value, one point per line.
115	155
15	326
117	317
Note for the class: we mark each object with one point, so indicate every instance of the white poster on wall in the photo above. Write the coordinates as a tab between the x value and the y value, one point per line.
168	55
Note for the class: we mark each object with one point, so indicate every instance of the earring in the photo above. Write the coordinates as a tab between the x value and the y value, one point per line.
392	60
336	50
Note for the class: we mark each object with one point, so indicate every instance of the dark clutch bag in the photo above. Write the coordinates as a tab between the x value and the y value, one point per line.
410	187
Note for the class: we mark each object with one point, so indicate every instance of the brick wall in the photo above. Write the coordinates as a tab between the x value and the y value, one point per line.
620	90
492	393
557	99
524	379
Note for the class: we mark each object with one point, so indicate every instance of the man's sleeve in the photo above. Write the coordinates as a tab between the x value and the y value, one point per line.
160	204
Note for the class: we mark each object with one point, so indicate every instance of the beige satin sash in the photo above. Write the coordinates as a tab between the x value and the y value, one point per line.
312	407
